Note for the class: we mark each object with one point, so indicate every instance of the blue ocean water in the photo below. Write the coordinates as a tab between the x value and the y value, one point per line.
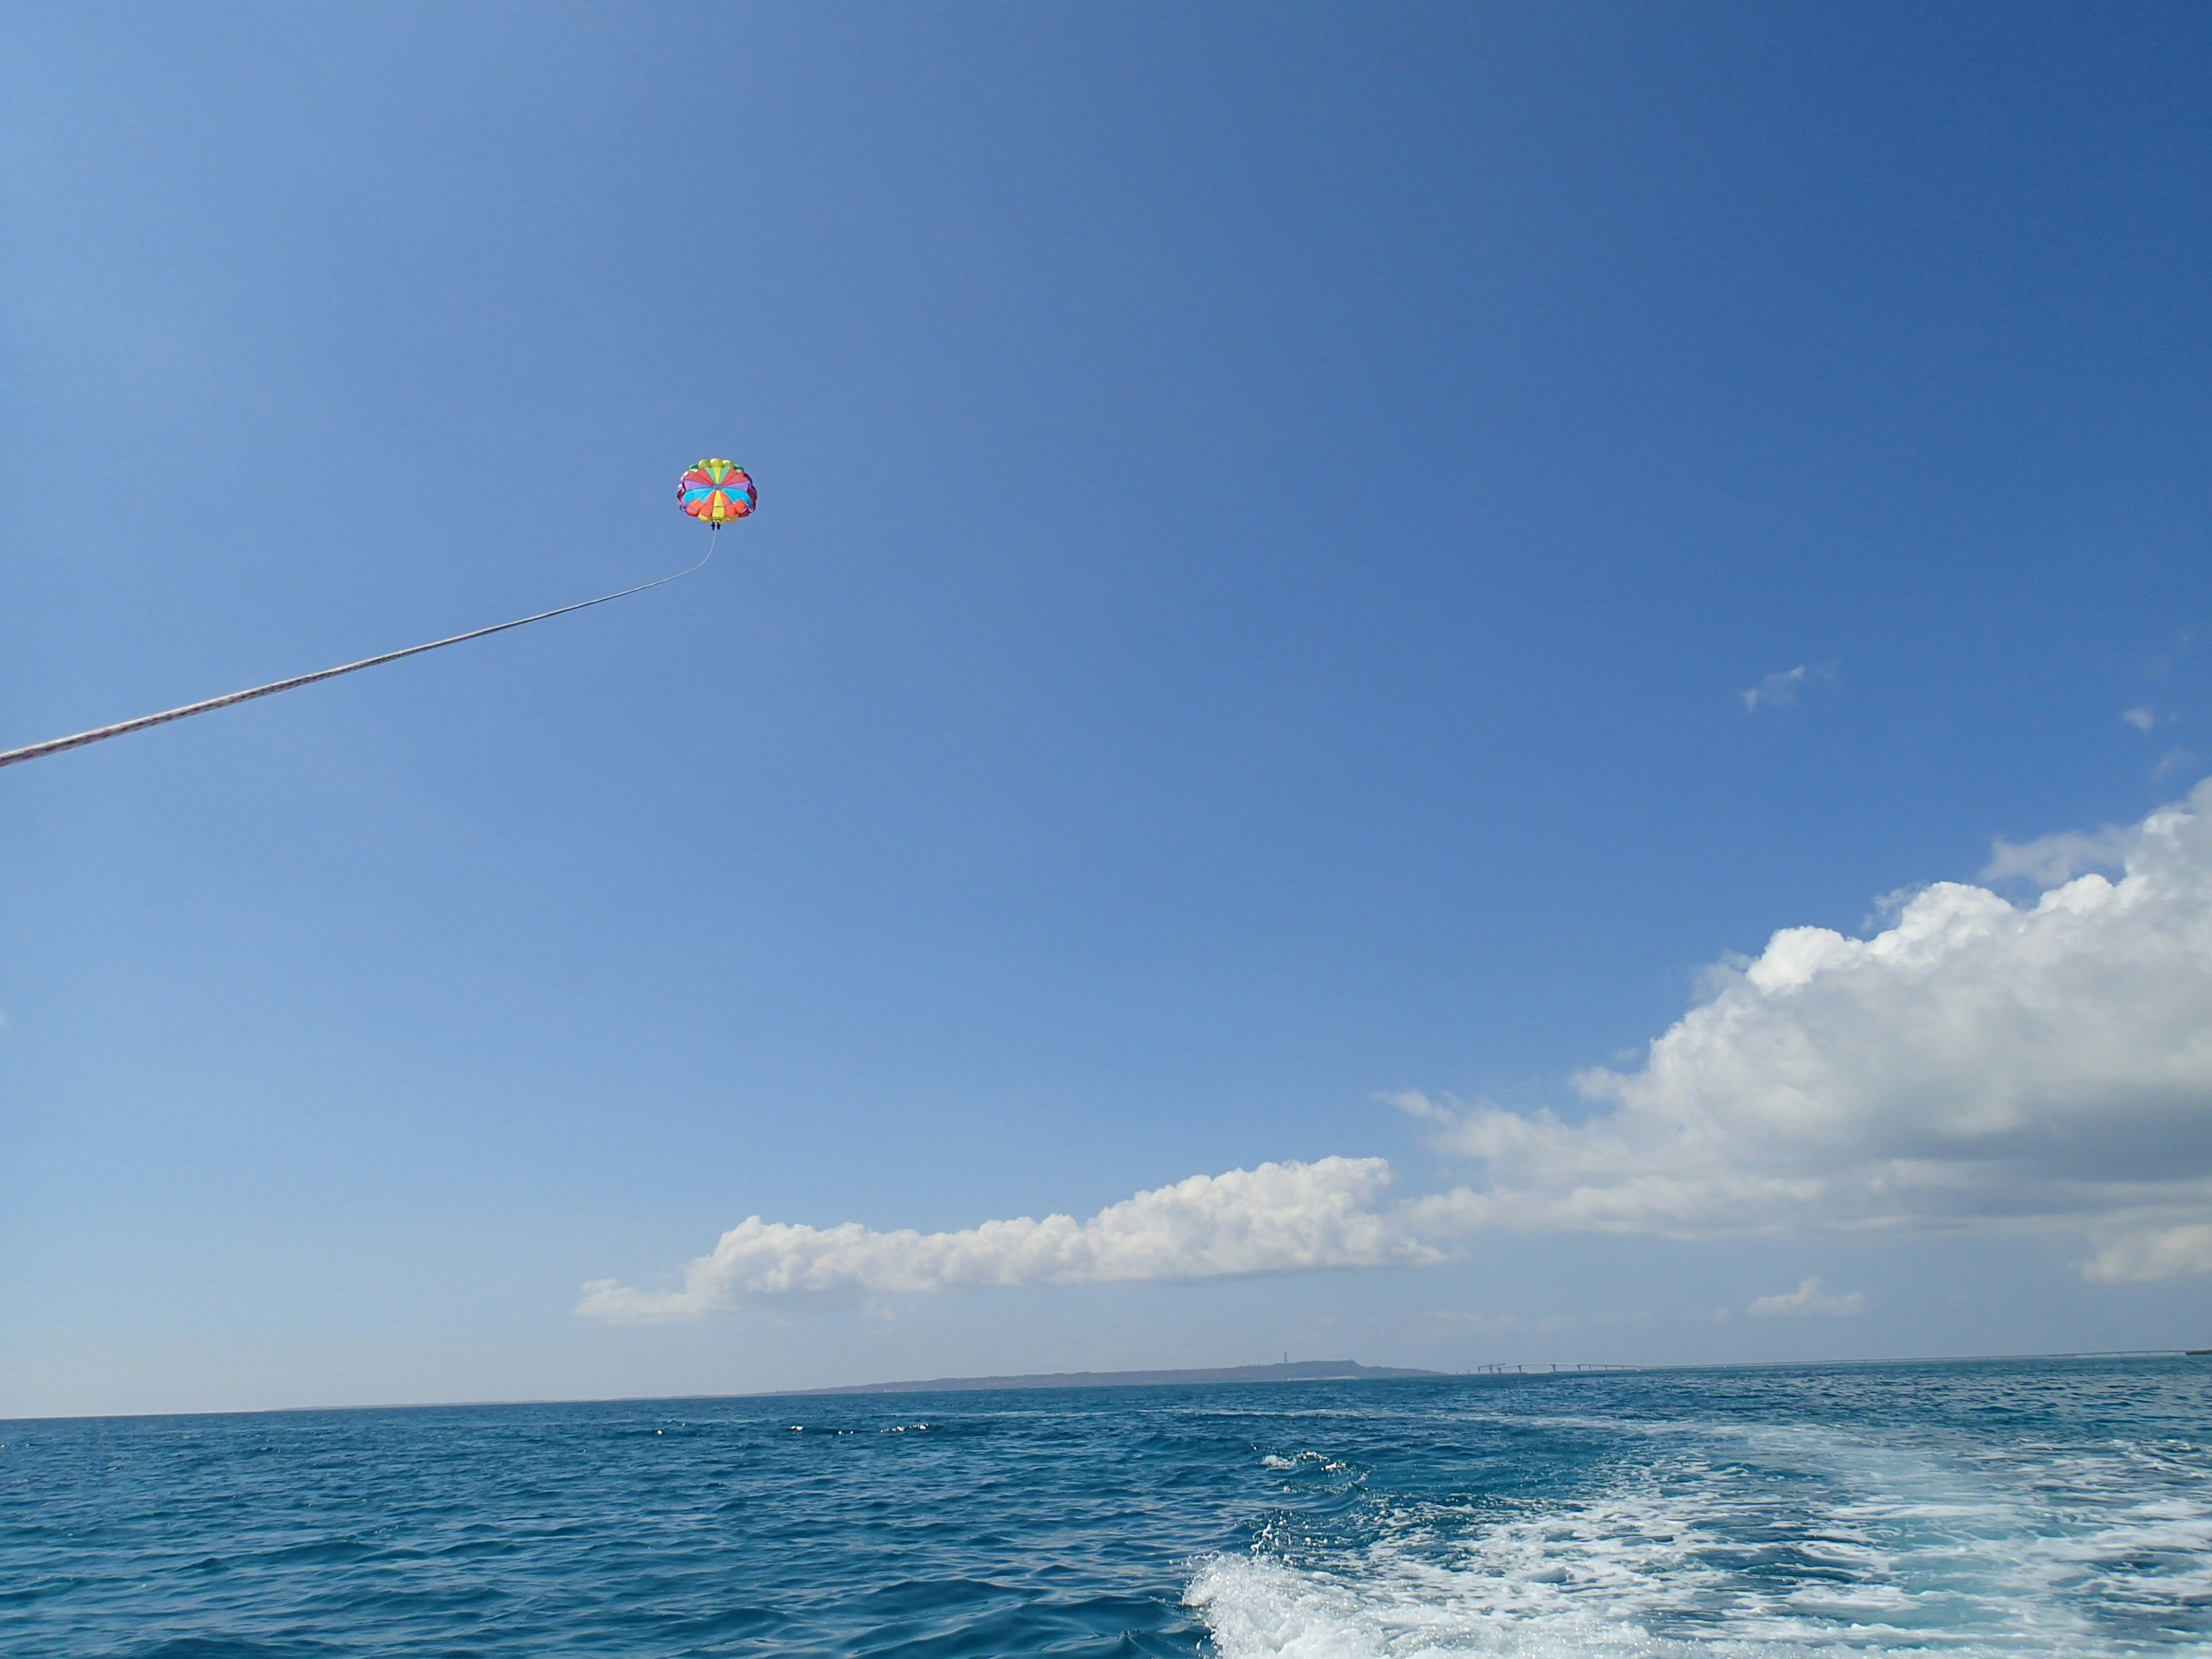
2013	1508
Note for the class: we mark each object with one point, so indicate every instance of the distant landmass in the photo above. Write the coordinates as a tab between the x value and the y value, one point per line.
1299	1370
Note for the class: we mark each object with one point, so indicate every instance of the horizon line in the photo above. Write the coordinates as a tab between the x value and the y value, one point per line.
1406	1374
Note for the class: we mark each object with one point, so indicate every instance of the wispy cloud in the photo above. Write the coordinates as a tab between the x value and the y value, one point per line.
1809	1298
1278	1218
2051	860
2174	760
1776	691
1783	690
2143	718
1415	1104
2180	650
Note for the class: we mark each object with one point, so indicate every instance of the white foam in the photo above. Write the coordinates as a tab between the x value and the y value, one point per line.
1752	1541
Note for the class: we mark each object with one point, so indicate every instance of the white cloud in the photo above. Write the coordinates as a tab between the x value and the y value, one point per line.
1415	1104
1975	1063
2141	719
2170	1252
1278	1218
1776	691
1783	690
2051	860
1809	1298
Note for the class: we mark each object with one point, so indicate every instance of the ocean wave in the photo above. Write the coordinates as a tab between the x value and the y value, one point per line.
1984	1510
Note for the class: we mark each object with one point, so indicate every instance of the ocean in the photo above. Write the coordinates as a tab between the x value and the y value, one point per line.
1973	1508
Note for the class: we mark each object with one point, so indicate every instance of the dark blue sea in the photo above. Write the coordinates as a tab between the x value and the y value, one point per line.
2014	1508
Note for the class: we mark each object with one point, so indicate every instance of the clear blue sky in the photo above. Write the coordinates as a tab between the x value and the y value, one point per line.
1268	515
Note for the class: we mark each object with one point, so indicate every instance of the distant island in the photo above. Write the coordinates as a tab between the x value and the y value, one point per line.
1300	1370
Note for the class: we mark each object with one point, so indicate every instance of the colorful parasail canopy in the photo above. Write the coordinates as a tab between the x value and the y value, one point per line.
715	492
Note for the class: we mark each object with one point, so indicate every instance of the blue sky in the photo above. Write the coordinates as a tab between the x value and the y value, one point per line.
1268	517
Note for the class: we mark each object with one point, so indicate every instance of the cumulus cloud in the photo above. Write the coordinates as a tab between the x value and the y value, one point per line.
1278	1218
1809	1298
1976	1062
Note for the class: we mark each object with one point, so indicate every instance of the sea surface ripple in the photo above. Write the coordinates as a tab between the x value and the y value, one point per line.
1979	1510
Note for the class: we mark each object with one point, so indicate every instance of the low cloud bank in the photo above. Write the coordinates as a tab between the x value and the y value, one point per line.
1977	1063
1278	1218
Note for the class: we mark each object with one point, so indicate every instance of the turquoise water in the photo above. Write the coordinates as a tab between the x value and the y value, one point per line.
1988	1509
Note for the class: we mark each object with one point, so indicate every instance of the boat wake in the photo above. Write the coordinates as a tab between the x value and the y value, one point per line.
1758	1542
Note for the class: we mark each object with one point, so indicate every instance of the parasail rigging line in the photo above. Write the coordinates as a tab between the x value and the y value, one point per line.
55	745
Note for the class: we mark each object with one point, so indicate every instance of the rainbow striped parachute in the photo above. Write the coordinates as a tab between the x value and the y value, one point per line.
715	492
